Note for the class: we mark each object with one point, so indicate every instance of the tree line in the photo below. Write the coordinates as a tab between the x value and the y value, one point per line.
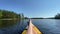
57	16
5	14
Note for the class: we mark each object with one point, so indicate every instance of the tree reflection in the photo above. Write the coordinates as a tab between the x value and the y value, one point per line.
7	23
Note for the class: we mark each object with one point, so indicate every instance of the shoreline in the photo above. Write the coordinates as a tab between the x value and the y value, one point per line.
8	19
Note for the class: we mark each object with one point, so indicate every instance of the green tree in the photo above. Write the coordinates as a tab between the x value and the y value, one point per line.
0	14
5	14
57	16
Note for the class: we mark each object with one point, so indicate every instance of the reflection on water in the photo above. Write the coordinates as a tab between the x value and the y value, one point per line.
46	26
9	26
12	26
7	23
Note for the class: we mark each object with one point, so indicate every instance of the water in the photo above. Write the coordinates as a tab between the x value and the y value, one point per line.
46	26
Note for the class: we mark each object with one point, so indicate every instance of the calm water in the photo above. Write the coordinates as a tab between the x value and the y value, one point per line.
46	26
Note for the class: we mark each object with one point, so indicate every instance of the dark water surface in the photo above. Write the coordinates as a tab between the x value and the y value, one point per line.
46	26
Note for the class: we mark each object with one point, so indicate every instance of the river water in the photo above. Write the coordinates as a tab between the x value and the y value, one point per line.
46	26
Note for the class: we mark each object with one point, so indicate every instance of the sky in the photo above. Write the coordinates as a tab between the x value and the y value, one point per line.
32	8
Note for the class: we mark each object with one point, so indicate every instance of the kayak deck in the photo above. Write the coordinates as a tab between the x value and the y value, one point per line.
32	29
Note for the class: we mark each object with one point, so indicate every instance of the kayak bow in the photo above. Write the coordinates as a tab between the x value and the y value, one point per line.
31	29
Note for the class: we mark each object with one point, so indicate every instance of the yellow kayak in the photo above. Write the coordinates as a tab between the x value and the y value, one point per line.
31	29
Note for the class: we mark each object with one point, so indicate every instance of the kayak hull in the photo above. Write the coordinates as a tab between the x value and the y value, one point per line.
31	29
35	29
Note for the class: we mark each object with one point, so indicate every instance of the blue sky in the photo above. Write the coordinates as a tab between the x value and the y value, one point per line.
32	8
